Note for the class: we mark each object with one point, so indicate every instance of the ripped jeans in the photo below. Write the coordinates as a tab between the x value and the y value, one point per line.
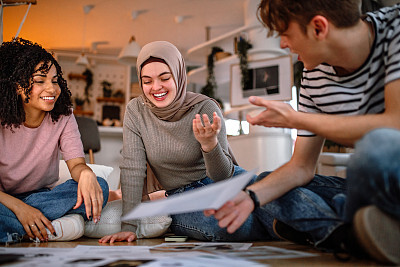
53	204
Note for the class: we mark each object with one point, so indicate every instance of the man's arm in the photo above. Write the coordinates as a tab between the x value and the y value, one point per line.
298	171
345	130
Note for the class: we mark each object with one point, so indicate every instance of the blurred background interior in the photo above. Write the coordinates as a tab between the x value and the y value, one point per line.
97	41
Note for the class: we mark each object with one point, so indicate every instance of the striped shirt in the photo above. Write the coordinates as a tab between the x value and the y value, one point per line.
362	92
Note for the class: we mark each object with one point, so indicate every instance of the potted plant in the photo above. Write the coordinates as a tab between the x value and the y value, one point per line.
79	102
107	91
243	46
89	81
211	84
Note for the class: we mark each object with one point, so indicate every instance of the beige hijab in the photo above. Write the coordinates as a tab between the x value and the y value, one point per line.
183	100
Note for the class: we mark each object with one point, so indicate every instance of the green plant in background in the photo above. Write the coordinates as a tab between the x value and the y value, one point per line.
79	102
107	91
89	81
243	47
211	85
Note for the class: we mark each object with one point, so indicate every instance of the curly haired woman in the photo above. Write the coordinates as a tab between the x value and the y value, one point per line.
37	126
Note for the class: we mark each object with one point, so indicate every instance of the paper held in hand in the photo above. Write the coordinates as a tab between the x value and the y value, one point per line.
212	196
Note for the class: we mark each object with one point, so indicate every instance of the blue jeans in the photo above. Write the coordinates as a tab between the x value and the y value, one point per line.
374	173
53	204
197	226
373	178
316	208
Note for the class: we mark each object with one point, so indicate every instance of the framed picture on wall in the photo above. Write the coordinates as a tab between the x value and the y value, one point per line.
271	79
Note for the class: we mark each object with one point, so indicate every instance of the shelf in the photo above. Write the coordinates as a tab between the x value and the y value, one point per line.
116	130
222	68
83	112
202	50
111	99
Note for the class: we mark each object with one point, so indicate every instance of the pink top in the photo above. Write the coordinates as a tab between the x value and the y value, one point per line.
29	157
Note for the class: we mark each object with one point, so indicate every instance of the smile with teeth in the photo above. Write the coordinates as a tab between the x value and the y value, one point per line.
160	95
48	97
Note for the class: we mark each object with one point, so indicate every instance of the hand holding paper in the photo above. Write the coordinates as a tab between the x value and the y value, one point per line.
212	196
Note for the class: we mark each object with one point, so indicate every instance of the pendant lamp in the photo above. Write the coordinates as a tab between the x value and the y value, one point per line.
130	52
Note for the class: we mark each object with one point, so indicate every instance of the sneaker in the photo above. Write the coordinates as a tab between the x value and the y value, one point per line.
68	227
286	232
379	234
343	243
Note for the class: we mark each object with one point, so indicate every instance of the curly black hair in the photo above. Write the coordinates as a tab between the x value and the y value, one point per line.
18	60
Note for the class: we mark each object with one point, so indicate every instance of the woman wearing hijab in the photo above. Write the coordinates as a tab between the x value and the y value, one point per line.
180	136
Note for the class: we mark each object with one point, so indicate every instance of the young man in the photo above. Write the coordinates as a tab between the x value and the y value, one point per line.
350	94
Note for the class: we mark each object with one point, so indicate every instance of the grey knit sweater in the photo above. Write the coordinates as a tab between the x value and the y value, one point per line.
171	150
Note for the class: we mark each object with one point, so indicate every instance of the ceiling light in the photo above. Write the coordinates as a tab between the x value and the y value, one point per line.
129	53
82	60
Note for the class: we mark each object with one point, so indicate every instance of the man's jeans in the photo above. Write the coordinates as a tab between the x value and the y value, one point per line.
196	225
374	173
53	204
324	204
373	178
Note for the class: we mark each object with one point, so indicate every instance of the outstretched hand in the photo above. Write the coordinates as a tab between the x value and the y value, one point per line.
233	213
121	236
276	114
207	134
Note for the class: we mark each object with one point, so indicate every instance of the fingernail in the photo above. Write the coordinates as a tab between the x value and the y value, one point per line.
55	234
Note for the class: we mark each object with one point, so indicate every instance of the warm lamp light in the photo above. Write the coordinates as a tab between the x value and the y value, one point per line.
130	52
82	60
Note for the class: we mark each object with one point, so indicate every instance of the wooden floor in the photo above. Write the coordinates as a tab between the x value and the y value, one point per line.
323	259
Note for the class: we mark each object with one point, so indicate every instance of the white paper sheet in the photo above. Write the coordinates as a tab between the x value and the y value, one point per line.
212	196
201	246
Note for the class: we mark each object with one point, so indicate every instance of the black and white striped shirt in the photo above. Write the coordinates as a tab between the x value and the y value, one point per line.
362	92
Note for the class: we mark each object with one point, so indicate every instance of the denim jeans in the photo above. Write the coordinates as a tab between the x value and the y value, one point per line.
374	173
53	204
196	225
373	178
316	208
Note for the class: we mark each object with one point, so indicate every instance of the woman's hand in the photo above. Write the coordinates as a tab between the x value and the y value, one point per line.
207	134
33	221
121	236
90	192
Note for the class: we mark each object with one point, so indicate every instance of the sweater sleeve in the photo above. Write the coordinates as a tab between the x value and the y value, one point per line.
219	164
133	166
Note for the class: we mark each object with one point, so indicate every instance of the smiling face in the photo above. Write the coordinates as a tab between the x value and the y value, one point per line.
302	44
45	91
158	84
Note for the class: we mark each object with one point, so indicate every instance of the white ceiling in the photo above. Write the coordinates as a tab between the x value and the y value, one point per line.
59	24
